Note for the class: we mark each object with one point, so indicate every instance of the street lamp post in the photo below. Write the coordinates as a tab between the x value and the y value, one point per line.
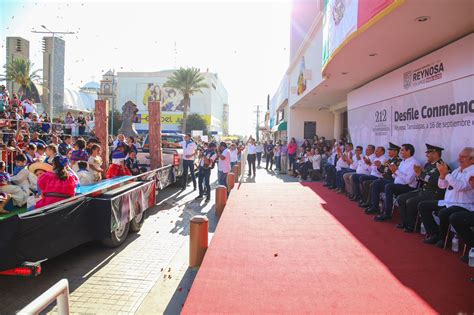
51	64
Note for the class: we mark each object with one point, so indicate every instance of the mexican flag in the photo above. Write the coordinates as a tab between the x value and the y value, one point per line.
343	19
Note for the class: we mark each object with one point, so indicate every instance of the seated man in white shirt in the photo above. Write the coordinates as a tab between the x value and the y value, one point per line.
404	180
341	164
352	162
357	179
463	223
459	198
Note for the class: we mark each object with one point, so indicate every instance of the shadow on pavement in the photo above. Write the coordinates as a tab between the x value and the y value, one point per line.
176	303
76	265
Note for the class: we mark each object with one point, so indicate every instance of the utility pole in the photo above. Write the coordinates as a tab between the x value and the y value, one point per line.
258	124
51	65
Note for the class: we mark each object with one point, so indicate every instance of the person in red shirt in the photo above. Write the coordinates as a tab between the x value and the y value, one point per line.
60	184
292	147
118	168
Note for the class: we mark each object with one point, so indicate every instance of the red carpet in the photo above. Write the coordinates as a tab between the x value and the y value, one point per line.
293	248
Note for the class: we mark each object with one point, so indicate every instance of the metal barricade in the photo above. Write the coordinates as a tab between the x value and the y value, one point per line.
58	292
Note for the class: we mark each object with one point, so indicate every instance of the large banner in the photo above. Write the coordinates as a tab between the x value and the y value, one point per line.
142	90
442	115
344	18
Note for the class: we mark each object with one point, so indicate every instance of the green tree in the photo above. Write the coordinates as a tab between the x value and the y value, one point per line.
20	71
195	122
188	81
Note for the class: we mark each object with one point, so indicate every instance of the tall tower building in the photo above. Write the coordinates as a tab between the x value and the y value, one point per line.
17	48
108	87
54	62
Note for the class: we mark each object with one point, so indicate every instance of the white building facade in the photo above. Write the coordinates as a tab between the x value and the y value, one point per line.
353	60
142	87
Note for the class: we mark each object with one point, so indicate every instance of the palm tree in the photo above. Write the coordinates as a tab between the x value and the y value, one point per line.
20	71
187	81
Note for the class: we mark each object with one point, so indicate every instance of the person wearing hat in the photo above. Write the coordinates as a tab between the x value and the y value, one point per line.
36	170
427	189
377	186
206	164
405	180
458	200
58	184
79	154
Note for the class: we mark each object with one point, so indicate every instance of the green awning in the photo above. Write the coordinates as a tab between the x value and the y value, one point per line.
280	127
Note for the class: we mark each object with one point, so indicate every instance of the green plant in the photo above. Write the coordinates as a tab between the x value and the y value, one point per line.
188	81
195	122
20	71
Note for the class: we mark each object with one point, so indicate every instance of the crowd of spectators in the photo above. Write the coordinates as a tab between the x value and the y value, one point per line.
43	163
21	113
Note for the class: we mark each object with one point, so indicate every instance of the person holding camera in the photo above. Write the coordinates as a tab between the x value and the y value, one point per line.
208	157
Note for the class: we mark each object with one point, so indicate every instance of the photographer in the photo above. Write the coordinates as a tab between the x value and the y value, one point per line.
206	164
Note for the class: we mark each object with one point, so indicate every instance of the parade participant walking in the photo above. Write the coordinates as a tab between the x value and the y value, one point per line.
292	147
206	164
259	149
223	165
189	152
269	154
251	155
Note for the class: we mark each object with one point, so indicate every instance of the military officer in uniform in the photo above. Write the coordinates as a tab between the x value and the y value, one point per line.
377	186
428	189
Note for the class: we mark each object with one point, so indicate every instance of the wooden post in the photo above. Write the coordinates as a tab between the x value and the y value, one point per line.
235	170
221	199
154	134
198	239
230	181
101	129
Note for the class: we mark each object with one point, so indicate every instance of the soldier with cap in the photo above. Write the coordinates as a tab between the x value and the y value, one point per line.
428	189
404	180
459	200
377	186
